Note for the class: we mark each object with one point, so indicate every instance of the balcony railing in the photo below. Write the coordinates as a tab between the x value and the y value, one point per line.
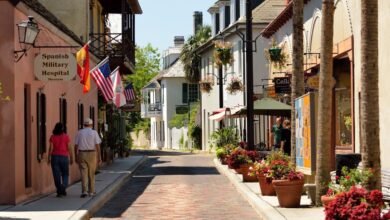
149	110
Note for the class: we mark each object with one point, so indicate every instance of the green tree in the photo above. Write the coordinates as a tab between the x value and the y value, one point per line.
325	101
147	61
191	60
370	143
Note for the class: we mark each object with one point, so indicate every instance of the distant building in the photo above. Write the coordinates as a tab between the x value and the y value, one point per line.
166	94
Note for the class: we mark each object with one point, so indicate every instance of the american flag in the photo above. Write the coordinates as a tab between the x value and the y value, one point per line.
129	92
101	75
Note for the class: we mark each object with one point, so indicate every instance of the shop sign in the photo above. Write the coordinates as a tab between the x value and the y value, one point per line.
183	109
313	82
55	66
282	85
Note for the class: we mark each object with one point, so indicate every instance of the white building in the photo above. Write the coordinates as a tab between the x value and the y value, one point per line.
228	22
166	94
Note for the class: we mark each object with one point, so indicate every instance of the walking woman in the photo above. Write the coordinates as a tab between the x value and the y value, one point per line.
60	155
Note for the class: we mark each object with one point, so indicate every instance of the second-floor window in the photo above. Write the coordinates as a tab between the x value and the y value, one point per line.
217	23
237	7
227	16
190	92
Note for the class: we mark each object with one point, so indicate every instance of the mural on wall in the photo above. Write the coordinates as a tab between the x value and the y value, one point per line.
305	133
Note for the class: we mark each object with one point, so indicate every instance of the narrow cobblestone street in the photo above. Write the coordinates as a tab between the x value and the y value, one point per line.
172	185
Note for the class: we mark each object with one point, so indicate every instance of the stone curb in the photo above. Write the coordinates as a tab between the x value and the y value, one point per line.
87	210
263	209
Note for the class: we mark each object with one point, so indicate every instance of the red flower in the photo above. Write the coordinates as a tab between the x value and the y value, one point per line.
357	203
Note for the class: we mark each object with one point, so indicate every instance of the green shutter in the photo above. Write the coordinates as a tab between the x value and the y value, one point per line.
185	92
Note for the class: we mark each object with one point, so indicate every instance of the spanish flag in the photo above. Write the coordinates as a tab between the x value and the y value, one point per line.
82	58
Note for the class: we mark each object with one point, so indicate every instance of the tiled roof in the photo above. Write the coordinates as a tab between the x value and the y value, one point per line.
266	11
40	9
176	70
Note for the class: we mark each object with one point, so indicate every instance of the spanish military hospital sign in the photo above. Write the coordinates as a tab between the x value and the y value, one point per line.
55	66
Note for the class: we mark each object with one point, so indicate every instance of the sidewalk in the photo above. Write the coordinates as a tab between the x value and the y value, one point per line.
268	206
108	181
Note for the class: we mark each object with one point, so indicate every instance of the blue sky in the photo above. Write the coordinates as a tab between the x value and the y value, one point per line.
163	19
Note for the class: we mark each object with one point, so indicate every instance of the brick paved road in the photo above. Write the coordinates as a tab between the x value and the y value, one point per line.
174	185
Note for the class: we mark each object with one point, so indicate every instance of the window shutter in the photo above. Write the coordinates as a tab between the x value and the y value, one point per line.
43	123
65	114
185	92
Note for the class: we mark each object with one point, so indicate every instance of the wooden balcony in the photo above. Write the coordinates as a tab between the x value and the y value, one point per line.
118	46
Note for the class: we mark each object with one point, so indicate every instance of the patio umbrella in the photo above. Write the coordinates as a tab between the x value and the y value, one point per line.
265	106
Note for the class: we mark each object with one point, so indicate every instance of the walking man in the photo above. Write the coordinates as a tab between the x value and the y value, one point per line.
87	151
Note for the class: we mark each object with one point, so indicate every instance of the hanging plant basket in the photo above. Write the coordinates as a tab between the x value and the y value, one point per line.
223	53
235	85
206	85
276	55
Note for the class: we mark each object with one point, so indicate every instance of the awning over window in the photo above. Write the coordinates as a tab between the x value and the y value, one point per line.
219	114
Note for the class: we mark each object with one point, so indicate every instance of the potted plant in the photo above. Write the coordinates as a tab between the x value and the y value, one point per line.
223	152
262	170
251	158
236	158
357	203
206	85
235	85
223	53
288	182
349	178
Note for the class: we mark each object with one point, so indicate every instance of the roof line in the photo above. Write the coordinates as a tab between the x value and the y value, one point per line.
280	20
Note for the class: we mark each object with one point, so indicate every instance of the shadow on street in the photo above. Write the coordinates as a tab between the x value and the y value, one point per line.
156	165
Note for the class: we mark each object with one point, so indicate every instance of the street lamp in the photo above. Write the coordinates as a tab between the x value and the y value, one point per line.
28	31
249	75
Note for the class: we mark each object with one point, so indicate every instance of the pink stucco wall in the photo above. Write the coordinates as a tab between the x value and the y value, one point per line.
14	76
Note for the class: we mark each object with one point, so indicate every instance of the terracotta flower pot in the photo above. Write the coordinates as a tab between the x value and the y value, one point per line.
223	160
327	199
288	192
245	173
238	170
266	187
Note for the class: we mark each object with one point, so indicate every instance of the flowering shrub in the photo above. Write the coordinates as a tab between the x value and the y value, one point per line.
349	178
240	156
357	203
243	144
221	153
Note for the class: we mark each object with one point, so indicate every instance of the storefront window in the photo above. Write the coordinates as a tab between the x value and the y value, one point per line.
343	117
